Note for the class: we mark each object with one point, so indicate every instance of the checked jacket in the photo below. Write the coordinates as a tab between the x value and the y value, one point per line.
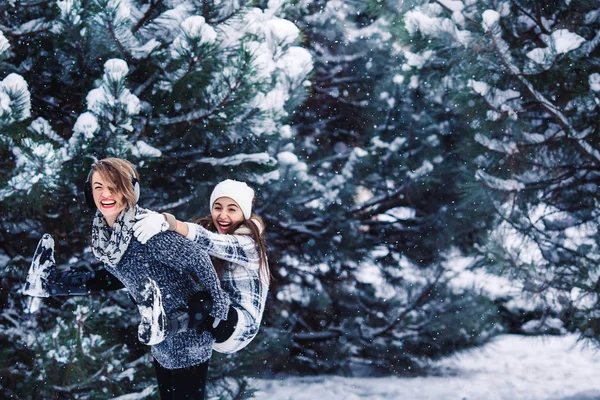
241	280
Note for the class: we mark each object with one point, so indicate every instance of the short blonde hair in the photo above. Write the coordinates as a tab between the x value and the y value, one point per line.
119	173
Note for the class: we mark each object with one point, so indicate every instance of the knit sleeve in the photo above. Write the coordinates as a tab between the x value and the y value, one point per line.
185	256
237	249
248	295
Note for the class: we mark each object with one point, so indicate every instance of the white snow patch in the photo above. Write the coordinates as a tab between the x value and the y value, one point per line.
565	41
149	391
143	149
490	18
496	145
4	45
115	69
418	60
511	367
424	169
15	84
286	132
38	272
594	80
296	63
285	31
425	20
479	87
86	125
238	159
505	185
287	158
452	5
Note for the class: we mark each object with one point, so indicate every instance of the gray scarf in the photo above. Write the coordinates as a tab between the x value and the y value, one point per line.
109	244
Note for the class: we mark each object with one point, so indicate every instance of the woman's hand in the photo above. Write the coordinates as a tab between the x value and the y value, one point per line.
148	225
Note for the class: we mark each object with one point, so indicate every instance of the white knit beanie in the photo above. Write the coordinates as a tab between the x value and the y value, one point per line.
238	191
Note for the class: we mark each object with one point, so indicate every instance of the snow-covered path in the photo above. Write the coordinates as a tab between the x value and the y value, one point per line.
511	368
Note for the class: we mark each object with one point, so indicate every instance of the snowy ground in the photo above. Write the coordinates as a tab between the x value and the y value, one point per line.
511	368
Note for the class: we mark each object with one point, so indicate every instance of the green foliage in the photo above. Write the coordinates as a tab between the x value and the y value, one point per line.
520	75
371	234
85	354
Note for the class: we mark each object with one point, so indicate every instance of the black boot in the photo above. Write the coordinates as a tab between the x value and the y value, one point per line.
199	306
45	280
68	283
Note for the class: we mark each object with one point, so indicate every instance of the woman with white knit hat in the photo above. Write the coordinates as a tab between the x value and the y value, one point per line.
233	236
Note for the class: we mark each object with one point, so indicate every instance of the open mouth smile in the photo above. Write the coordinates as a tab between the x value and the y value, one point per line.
224	225
108	203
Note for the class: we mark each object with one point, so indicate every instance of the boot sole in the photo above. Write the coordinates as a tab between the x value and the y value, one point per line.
41	265
151	330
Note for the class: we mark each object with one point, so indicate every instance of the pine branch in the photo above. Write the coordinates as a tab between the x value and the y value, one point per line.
591	45
538	236
89	383
584	147
23	4
416	302
122	49
313	337
379	204
339	99
147	15
37	26
204	113
536	19
306	228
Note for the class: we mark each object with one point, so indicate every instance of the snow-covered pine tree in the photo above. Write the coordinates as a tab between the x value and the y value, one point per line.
192	92
372	209
524	76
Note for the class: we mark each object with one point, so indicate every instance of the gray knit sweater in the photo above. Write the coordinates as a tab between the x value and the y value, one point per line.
169	259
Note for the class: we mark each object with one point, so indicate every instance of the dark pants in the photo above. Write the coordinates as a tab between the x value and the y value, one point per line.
185	383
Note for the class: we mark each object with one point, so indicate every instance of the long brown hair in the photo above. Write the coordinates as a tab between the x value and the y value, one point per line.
257	235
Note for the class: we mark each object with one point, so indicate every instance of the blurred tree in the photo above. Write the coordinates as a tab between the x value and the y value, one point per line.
524	76
370	195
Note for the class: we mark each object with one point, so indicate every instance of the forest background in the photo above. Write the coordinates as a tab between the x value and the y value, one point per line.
395	148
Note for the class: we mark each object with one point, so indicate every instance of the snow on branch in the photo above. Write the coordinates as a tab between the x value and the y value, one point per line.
503	185
503	51
112	101
425	168
347	172
32	27
115	18
15	100
195	32
35	163
4	45
426	20
559	42
496	145
238	159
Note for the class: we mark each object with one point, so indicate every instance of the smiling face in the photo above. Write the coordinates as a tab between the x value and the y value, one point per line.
108	200
226	213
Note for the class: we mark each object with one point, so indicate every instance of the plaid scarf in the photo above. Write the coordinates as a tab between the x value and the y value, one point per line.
109	244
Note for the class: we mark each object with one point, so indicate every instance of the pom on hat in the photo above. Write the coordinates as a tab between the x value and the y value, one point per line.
238	191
